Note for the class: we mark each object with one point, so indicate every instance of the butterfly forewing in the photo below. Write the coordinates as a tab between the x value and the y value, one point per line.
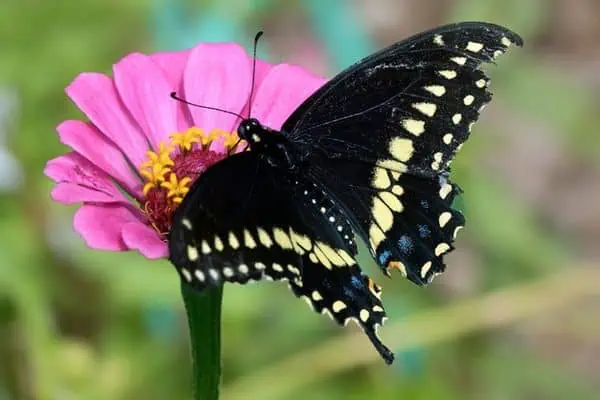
384	133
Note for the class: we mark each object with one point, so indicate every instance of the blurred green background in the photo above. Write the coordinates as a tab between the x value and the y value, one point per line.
515	316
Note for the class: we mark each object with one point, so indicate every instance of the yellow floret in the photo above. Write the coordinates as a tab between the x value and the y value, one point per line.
177	189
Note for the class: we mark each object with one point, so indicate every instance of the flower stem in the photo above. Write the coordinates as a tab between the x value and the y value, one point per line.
204	321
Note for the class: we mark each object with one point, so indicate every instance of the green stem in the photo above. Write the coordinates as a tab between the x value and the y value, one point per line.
204	320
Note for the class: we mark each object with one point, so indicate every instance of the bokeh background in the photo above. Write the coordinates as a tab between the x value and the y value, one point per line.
516	315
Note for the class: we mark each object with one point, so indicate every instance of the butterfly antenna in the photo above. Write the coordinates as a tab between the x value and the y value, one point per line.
258	35
174	96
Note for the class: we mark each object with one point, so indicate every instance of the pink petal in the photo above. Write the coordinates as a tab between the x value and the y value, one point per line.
262	70
282	91
79	180
69	193
172	65
144	239
96	96
145	91
86	140
101	225
217	75
218	146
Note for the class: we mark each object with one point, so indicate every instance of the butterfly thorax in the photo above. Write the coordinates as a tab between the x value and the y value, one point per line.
272	145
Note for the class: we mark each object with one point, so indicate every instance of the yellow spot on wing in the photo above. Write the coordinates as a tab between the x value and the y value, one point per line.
394	166
448	73
349	260
392	201
338	306
364	315
397	190
192	253
264	238
428	109
425	269
322	258
445	190
398	265
444	218
436	90
506	41
186	275
381	180
414	126
205	247
382	214
376	236
249	240
282	239
331	254
474	47
441	249
233	241
402	149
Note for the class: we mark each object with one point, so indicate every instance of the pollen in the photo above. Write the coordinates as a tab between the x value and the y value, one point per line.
170	171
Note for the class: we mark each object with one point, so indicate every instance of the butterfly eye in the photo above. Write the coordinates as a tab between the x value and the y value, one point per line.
243	130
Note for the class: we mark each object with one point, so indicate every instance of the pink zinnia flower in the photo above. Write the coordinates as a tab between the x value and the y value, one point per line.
134	161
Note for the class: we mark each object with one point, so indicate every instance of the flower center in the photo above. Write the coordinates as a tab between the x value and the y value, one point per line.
170	171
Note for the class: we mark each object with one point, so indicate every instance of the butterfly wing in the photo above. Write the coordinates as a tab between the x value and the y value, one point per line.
245	220
383	134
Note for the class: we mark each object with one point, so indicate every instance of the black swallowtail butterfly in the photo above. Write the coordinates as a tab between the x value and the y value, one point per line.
367	154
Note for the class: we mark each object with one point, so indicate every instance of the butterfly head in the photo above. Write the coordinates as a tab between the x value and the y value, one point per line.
251	131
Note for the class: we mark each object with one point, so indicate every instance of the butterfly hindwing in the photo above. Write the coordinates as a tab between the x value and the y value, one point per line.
244	219
383	134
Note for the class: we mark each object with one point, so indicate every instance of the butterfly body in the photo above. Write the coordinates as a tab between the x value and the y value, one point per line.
368	155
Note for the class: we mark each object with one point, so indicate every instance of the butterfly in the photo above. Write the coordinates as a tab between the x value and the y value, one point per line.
366	156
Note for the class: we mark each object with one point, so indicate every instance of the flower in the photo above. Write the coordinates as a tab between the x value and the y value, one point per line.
136	158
